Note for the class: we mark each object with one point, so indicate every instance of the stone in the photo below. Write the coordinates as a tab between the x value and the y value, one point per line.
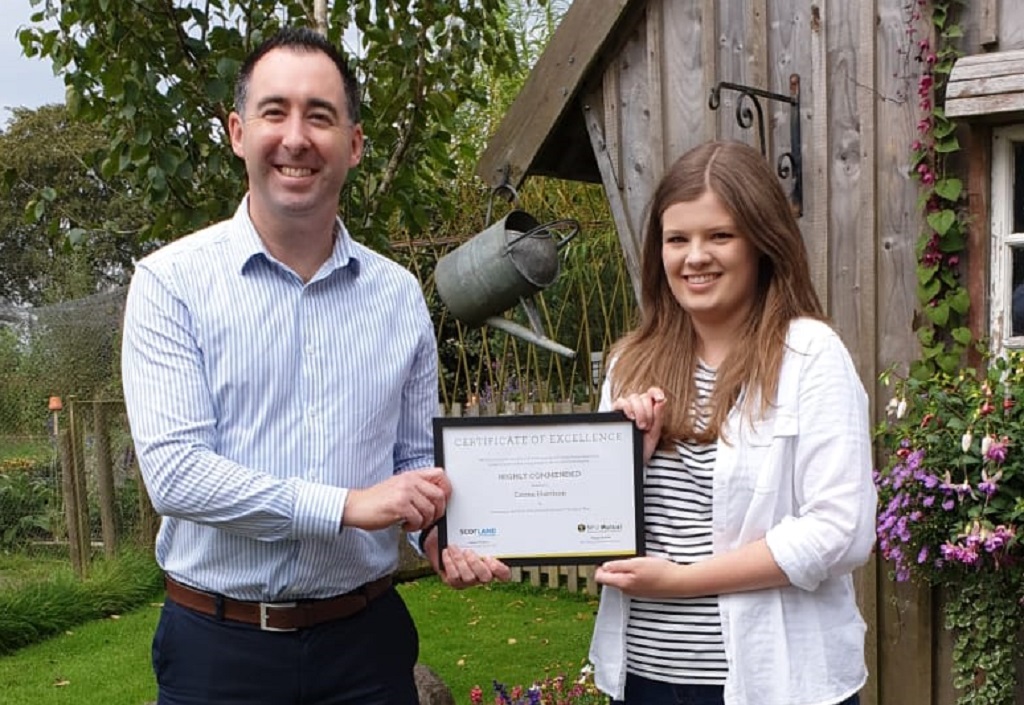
430	688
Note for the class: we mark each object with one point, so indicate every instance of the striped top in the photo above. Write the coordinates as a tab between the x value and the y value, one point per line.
256	400
679	640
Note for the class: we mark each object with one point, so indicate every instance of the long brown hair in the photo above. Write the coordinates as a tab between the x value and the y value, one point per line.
661	351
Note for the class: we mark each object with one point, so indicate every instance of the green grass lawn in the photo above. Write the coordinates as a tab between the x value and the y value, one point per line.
38	448
18	568
513	633
101	662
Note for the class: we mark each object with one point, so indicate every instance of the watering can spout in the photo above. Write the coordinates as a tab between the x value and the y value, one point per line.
513	328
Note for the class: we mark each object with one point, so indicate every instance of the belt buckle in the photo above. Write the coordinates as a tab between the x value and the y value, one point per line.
265	608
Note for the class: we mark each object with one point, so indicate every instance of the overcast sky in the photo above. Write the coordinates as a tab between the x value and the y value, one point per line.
23	82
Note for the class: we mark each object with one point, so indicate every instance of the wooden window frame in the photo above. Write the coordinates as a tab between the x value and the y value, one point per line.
1003	239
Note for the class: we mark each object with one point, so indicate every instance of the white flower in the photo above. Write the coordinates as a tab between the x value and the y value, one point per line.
890	408
986	443
965	441
901	409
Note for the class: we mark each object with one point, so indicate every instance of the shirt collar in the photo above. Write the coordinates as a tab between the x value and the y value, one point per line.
247	246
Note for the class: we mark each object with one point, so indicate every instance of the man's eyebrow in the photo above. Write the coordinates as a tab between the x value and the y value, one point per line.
324	104
269	100
313	103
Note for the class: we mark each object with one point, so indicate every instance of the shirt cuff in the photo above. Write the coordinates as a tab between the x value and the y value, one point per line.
784	541
318	510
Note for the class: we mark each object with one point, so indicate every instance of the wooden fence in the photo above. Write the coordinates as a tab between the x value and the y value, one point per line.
90	477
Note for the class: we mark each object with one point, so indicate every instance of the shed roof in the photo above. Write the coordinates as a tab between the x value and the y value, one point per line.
987	86
542	133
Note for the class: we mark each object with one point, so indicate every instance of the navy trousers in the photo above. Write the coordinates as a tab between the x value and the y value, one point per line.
366	659
644	691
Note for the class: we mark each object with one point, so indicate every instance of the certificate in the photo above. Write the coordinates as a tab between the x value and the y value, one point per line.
564	488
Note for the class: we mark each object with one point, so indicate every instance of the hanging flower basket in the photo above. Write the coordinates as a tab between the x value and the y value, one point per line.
951	496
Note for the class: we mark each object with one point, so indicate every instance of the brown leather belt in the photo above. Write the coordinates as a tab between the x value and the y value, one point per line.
278	616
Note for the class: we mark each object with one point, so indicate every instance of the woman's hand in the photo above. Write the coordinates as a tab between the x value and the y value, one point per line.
647	411
643	577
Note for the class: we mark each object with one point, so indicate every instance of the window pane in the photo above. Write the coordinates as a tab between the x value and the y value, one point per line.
1017	303
1018	193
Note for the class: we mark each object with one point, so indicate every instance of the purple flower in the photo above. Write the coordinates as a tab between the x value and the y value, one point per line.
989	484
996	451
997	538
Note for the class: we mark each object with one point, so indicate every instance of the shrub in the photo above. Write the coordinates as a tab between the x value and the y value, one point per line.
26	499
35	610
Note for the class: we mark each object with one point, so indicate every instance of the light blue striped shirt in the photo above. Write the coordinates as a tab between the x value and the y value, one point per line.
256	401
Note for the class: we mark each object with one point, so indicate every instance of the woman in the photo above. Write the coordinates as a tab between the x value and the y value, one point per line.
758	495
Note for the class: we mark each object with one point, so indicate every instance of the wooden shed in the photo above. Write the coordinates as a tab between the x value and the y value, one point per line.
625	87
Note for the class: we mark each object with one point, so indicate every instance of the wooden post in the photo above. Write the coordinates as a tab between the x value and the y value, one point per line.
105	477
149	522
587	573
81	497
67	476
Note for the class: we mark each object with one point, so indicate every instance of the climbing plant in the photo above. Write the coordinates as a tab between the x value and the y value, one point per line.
941	327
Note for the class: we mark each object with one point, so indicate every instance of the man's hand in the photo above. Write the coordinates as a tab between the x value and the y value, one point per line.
414	499
460	568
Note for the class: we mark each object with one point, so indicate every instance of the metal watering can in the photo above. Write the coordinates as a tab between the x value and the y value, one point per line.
502	266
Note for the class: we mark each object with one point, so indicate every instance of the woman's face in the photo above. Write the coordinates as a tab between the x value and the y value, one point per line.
710	266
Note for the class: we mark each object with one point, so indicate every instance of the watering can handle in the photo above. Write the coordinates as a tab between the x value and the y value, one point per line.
572	225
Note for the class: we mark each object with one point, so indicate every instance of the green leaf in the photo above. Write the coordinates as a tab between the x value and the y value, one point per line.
949	362
943	127
947	145
952	241
960	301
76	236
941	221
949	189
928	291
49	194
938	314
143	135
217	90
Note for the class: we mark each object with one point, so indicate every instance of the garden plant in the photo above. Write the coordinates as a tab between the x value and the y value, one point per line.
951	506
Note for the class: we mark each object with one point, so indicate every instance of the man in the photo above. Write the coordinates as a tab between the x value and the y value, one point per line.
280	380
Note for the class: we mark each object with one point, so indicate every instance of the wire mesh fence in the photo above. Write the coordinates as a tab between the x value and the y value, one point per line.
77	488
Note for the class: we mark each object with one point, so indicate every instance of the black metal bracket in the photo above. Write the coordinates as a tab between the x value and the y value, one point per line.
789	164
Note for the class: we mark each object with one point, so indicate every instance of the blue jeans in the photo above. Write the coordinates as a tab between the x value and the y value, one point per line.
644	691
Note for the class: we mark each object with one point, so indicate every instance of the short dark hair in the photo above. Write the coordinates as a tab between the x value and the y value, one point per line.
299	39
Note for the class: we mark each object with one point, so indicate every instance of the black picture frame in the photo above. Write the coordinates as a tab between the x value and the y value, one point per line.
589	431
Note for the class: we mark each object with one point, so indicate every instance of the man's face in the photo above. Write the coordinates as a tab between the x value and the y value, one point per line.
295	137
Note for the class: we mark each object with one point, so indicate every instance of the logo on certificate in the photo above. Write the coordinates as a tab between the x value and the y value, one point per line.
487	531
607	528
